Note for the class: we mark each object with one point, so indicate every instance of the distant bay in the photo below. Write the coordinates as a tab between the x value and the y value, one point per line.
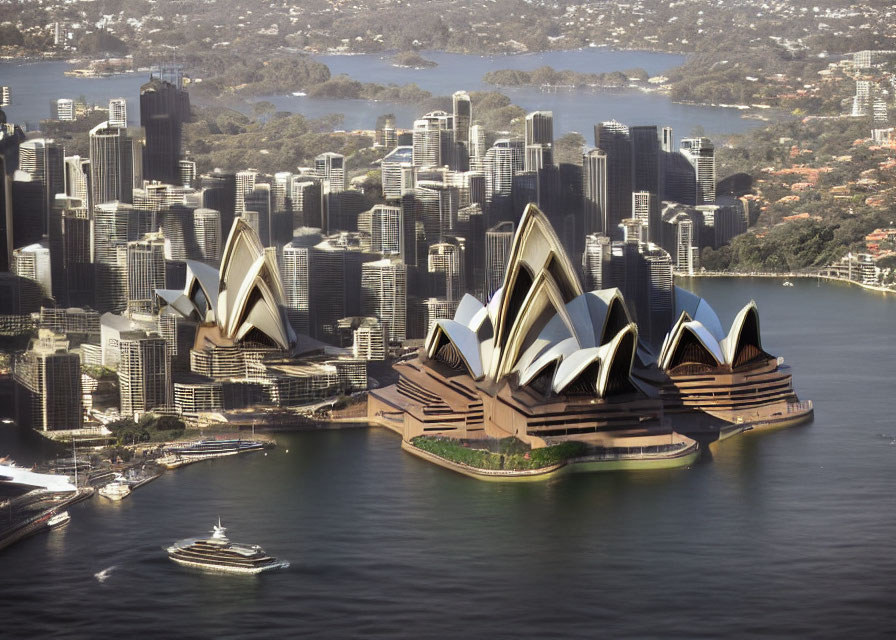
35	84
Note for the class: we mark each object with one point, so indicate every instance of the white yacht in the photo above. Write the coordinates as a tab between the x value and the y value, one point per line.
220	555
116	490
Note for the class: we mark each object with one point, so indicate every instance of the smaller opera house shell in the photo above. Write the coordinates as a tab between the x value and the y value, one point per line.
240	304
547	362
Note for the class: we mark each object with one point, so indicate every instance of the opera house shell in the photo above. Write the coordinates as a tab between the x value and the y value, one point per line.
547	362
242	304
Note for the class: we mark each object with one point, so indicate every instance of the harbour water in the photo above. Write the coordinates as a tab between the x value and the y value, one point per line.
35	84
789	532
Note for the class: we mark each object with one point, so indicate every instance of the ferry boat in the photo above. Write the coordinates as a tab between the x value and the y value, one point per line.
115	490
220	555
788	283
214	448
59	520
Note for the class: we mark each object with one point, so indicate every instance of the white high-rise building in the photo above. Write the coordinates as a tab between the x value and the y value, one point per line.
64	109
432	135
33	262
383	223
330	168
146	272
497	252
594	187
207	224
118	112
503	161
594	258
392	168
384	295
4	96
700	152
245	182
144	372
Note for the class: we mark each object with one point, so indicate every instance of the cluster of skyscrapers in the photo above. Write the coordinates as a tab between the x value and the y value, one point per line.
355	267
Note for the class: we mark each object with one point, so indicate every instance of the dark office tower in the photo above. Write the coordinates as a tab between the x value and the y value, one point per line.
525	189
56	244
259	201
476	188
679	179
10	139
164	108
594	184
6	226
341	210
471	226
438	209
43	159
77	258
219	193
335	287
613	139
305	199
540	128
111	164
657	291
571	201
27	210
180	232
463	115
646	173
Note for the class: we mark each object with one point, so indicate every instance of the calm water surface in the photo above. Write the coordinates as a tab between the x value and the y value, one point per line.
785	533
35	84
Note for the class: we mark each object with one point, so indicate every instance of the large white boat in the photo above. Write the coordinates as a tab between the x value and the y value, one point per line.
116	490
219	554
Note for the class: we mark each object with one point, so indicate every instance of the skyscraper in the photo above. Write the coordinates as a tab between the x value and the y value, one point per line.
48	385
144	372
646	175
614	140
392	167
594	260
111	164
44	160
118	113
218	190
164	108
594	178
384	295
330	168
463	114
146	272
446	269
385	230
33	262
295	269
433	140
207	225
497	252
540	128
77	179
700	153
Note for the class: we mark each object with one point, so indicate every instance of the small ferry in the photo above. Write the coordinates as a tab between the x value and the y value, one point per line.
59	520
788	283
214	448
219	554
116	490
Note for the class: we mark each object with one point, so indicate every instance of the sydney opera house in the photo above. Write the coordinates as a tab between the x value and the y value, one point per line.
245	350
546	362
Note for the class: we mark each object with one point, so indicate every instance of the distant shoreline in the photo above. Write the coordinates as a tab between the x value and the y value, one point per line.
783	276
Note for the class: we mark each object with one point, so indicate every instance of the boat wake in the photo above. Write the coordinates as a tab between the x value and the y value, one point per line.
103	575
